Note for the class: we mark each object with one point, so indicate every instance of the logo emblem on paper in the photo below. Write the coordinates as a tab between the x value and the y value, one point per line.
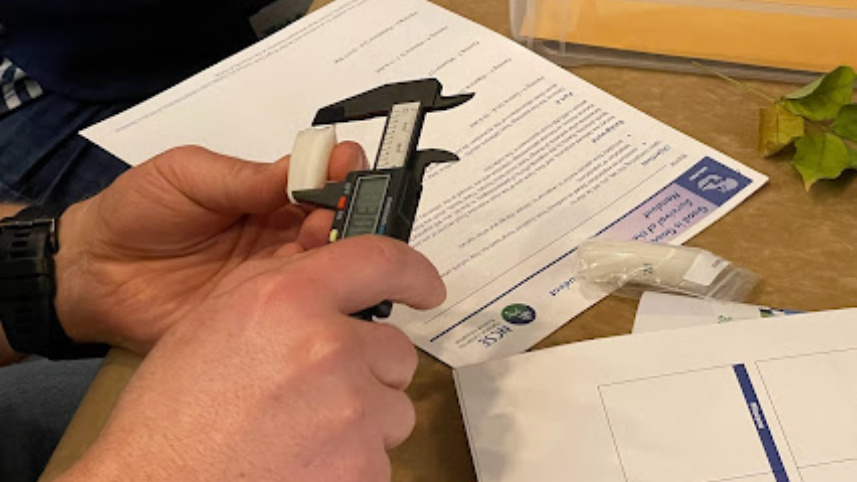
713	181
722	184
519	314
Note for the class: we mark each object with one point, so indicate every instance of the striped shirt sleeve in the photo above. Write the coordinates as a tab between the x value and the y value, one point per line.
17	88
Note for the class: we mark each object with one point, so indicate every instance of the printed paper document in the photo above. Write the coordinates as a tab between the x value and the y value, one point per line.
547	160
663	311
742	402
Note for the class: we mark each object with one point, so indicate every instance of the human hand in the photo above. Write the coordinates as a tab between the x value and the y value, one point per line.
271	380
164	236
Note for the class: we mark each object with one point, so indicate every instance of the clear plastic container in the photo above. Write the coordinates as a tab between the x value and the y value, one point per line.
571	19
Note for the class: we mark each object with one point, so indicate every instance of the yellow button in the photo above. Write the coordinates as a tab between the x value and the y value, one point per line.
334	235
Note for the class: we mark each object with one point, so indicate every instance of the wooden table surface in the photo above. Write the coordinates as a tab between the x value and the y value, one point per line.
800	243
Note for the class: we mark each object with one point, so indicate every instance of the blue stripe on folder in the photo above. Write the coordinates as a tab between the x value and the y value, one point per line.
761	423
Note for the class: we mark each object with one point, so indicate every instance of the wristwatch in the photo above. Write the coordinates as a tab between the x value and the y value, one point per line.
28	243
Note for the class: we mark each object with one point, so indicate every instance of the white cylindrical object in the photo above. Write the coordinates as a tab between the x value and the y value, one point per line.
310	157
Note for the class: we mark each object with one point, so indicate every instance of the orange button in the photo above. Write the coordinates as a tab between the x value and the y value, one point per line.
341	204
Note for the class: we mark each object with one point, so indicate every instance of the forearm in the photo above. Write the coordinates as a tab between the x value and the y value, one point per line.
7	354
7	210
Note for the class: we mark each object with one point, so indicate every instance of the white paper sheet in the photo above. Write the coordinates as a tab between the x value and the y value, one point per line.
663	311
547	159
743	402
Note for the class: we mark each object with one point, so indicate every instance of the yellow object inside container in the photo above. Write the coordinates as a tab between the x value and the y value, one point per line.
813	35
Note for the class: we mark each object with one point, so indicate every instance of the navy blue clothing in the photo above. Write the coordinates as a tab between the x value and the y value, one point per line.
37	400
93	58
43	160
114	50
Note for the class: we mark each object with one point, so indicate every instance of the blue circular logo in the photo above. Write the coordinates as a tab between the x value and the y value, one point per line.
519	314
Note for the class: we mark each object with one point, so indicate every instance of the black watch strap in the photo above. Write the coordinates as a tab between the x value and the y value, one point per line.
28	243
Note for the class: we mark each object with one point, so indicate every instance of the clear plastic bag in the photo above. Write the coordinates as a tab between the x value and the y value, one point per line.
628	268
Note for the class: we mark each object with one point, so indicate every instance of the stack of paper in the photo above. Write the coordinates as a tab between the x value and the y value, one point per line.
748	401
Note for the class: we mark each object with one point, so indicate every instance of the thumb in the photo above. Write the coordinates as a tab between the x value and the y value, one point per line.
222	183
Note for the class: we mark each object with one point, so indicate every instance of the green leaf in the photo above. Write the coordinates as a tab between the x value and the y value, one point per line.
852	158
846	122
778	128
822	99
820	156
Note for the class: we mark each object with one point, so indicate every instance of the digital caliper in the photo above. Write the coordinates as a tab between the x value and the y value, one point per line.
383	200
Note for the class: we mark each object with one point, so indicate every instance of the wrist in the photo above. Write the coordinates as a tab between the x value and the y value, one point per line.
71	273
7	353
9	210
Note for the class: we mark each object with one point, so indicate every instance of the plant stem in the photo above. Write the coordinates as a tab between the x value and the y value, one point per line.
823	128
734	82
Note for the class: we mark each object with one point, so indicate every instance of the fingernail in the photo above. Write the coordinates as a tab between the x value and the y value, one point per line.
363	160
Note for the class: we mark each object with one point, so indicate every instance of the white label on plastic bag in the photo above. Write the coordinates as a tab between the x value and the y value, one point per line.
705	268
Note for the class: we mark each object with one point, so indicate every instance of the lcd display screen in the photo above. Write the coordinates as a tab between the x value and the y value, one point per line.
366	205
